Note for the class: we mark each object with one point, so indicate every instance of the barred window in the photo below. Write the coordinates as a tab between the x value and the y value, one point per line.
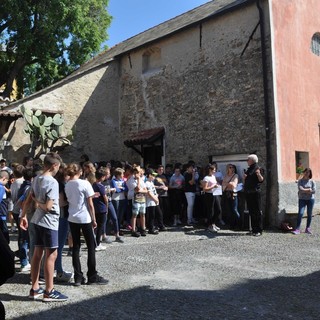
315	44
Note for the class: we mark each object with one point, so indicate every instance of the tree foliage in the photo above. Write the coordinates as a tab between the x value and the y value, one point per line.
47	39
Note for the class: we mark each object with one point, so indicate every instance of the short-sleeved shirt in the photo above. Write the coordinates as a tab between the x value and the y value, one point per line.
151	188
211	180
306	184
131	183
46	188
77	192
189	187
140	197
98	200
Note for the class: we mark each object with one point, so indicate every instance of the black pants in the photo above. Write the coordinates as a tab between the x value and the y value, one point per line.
89	237
255	212
150	216
213	207
165	207
101	218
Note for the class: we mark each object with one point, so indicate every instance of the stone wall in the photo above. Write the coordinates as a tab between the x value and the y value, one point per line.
208	97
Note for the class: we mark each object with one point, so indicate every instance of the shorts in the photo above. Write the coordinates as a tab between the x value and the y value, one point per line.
138	207
46	238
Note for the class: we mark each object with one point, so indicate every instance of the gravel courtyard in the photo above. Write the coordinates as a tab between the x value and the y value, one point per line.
189	274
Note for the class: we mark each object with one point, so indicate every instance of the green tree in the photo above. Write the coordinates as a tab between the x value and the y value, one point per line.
47	39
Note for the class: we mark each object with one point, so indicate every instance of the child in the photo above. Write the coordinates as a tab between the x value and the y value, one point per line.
4	178
119	200
138	204
100	202
152	201
45	192
82	219
112	215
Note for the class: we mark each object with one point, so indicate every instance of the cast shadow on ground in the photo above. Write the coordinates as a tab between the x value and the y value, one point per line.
277	298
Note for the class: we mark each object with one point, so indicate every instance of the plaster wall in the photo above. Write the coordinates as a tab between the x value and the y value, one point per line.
89	105
297	87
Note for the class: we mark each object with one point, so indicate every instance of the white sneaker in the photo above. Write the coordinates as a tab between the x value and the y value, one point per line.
26	268
100	247
64	277
215	227
212	229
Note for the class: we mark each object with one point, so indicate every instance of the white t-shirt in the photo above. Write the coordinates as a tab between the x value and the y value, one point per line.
151	188
131	184
211	180
77	192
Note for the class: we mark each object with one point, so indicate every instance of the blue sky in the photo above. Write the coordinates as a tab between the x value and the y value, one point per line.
131	17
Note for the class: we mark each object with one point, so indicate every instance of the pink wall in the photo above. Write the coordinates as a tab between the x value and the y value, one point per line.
297	72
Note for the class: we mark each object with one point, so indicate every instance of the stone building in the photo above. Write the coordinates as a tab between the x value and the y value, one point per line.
226	79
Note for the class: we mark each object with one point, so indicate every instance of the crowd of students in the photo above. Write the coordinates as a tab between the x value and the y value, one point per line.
52	202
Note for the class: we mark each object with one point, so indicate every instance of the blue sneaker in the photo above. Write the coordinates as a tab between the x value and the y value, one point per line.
36	294
53	296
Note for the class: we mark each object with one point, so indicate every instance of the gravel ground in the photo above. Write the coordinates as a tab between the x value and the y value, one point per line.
189	274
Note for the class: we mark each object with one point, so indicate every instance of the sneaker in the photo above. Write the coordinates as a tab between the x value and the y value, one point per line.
54	295
108	240
257	234
212	229
100	247
78	283
119	239
135	234
308	230
64	277
153	231
36	294
26	268
98	280
297	231
163	229
143	233
215	227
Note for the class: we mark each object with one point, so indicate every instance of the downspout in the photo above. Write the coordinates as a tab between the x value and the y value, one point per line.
266	109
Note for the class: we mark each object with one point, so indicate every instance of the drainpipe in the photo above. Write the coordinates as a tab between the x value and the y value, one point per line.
266	110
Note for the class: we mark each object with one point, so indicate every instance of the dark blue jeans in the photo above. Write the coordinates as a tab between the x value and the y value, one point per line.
302	204
120	206
112	215
101	218
62	234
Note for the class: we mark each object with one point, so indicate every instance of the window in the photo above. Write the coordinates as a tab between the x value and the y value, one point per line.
302	162
315	44
151	60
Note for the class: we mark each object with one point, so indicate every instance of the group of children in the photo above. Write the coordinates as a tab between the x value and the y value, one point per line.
54	199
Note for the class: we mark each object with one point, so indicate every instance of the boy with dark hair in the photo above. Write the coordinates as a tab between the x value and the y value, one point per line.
4	178
45	192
